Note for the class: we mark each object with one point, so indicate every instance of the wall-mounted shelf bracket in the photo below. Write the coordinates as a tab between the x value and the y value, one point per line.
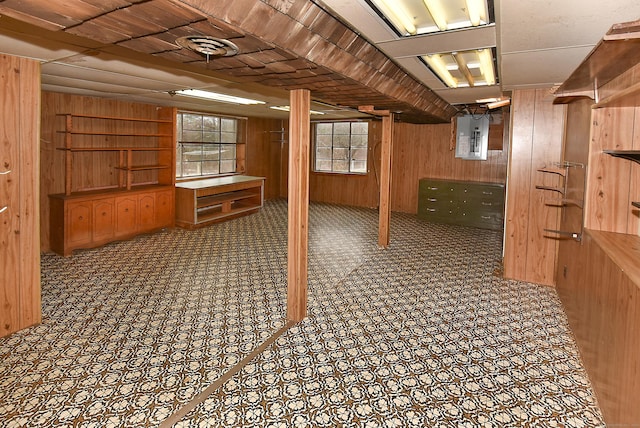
562	233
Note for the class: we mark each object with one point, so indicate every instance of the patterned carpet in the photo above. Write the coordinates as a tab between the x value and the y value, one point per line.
423	334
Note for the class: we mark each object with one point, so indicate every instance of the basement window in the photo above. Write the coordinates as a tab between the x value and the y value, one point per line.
207	145
341	147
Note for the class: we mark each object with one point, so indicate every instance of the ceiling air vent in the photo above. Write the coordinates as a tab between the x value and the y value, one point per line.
208	46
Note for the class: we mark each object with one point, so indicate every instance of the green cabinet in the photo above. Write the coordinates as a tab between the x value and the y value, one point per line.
467	203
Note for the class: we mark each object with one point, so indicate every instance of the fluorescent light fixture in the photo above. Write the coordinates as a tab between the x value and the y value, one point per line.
488	100
437	13
197	93
438	66
486	66
475	9
287	108
394	11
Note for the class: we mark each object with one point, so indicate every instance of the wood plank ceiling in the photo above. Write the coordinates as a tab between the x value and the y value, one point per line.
289	44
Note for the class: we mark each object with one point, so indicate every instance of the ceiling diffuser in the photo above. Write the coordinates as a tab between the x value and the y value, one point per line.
208	46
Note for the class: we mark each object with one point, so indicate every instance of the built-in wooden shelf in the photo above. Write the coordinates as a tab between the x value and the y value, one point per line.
632	155
629	97
115	149
119	118
554	170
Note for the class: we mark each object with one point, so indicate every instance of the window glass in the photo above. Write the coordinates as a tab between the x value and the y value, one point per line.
341	147
206	145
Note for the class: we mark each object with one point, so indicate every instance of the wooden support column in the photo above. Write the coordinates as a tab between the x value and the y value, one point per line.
384	215
298	203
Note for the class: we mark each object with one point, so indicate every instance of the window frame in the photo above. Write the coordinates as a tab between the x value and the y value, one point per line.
238	152
314	133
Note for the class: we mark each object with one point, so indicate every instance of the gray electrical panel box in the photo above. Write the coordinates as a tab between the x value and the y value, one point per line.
472	137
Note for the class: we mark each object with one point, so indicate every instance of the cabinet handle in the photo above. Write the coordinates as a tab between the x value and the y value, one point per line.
487	193
3	209
431	210
5	172
432	188
431	199
488	204
485	217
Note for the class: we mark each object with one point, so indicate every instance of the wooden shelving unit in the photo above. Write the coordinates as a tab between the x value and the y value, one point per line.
203	202
84	217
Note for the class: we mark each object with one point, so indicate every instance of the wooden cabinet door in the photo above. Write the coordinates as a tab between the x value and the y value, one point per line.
103	220
146	211
126	215
79	223
164	209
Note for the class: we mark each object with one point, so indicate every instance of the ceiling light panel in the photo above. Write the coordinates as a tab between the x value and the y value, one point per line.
464	68
413	17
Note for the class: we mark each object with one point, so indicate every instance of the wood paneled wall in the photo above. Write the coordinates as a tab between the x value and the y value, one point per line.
536	141
266	155
19	240
613	183
418	151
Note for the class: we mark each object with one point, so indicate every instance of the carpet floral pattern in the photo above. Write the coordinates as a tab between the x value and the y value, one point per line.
422	334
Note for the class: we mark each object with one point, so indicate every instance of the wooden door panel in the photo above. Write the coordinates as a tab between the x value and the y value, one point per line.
103	220
79	223
126	215
146	211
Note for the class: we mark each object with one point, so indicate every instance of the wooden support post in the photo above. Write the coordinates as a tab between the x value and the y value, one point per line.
298	203
385	181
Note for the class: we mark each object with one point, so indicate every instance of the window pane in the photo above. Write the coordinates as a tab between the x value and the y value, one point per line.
359	154
341	147
324	141
323	165
210	167
212	158
343	128
341	141
228	137
341	154
359	140
190	169
227	151
324	128
323	154
358	166
341	166
194	136
211	152
227	166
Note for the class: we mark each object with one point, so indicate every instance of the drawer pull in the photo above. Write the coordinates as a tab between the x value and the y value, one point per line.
3	209
5	172
487	193
432	188
488	204
485	217
432	210
431	199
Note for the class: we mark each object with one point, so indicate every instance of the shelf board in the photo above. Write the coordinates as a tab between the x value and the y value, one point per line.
129	119
116	134
142	167
632	155
636	204
618	51
210	201
114	149
216	214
